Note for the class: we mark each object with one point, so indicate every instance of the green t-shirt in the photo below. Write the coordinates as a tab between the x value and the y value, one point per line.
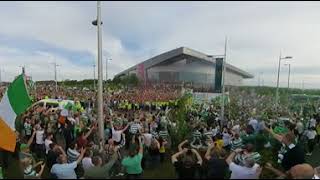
133	164
249	139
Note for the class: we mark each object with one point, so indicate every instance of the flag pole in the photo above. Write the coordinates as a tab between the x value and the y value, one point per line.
223	82
100	75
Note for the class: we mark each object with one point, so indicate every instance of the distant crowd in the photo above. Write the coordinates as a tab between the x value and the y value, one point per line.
65	144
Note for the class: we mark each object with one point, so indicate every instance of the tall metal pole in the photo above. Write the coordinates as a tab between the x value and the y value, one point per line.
106	69
100	76
289	77
288	84
223	81
277	91
55	75
94	77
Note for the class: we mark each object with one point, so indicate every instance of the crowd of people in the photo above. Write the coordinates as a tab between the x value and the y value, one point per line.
65	143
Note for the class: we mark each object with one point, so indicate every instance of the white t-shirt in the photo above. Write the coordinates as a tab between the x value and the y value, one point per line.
311	134
242	172
148	139
87	163
226	139
47	142
300	127
313	122
64	171
39	136
116	135
64	113
254	124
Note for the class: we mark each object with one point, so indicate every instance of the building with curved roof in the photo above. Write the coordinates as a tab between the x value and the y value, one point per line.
185	65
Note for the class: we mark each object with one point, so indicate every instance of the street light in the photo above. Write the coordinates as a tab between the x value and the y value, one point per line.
288	64
98	23
55	74
277	90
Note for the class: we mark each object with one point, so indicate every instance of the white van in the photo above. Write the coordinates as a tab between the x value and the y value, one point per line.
53	103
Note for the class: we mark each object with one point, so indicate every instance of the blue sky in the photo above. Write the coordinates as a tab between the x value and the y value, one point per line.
36	33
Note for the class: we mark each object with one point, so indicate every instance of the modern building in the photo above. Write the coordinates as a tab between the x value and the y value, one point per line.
185	65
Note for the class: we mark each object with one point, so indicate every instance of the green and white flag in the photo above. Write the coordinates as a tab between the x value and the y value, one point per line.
15	101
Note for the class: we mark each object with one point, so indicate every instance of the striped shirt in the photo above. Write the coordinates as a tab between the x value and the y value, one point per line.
72	155
163	134
196	134
208	135
237	143
240	158
134	128
154	134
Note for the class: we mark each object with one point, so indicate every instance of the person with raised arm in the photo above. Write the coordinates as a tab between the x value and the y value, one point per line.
132	163
291	153
65	170
185	164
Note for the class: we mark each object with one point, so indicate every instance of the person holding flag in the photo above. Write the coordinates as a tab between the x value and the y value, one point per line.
15	101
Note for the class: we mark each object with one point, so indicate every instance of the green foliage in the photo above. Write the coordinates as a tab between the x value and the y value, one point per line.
179	115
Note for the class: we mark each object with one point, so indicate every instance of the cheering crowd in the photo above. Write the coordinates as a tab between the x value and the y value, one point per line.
65	144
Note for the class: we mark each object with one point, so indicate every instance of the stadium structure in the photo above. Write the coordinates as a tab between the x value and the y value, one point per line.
185	65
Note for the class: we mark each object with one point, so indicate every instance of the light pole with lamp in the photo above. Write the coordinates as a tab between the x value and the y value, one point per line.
277	90
289	65
98	23
288	74
55	74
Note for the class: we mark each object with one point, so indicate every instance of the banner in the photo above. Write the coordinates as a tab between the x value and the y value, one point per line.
218	76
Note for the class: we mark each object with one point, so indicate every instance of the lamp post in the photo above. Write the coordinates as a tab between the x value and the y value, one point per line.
289	65
277	90
223	82
55	74
98	23
288	81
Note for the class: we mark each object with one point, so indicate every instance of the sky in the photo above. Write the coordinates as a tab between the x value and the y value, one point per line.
37	34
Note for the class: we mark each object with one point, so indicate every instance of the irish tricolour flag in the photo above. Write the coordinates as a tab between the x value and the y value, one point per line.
14	102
